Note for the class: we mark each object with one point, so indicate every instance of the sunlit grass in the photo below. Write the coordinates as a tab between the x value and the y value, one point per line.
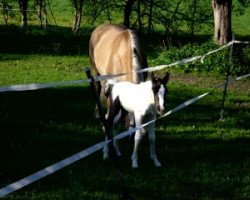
21	69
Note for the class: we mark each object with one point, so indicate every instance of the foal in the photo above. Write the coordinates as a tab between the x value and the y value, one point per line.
142	101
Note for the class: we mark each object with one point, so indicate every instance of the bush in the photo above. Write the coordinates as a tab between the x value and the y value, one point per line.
217	62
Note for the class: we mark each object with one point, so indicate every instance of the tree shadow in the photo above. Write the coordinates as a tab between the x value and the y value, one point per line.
54	41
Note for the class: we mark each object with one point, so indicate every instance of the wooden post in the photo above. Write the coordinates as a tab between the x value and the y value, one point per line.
125	193
222	112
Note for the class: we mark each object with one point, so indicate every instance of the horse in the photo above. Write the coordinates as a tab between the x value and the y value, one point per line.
115	49
143	101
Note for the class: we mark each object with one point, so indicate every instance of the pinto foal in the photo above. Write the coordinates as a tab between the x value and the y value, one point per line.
142	102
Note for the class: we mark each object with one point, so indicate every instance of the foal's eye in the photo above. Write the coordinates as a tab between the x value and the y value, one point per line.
155	88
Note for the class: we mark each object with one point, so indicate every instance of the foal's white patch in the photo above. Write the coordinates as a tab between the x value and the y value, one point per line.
135	98
161	94
138	100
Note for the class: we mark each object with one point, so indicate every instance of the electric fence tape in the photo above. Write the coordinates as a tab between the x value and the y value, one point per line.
61	164
70	160
36	86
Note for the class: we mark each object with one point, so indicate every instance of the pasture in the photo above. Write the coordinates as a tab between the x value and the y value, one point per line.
201	157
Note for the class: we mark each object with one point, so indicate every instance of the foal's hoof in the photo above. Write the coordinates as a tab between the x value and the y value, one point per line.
134	165
105	157
157	163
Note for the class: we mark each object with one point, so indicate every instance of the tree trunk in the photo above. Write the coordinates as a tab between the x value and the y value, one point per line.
23	4
193	10
78	5
42	14
127	12
222	21
139	16
77	21
150	16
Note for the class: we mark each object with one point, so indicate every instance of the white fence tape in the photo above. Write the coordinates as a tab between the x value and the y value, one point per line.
70	160
61	164
188	60
36	86
49	170
241	77
232	80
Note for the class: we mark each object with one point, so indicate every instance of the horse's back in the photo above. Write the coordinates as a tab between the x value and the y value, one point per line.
111	51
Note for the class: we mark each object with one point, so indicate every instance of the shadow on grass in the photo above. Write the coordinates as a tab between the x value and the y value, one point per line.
38	128
54	41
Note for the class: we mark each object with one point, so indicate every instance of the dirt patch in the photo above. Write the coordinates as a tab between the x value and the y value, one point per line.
241	86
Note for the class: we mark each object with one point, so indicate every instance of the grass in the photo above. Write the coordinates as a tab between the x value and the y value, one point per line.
202	158
31	68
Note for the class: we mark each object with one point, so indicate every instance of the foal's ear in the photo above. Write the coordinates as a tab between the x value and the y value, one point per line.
166	78
152	77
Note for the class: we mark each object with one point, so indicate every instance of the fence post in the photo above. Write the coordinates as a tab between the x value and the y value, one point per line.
125	193
226	83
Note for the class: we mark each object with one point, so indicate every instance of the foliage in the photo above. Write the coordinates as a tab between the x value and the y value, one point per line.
202	158
6	10
216	63
240	6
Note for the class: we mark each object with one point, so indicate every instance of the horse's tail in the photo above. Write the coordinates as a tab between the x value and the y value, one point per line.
108	87
139	60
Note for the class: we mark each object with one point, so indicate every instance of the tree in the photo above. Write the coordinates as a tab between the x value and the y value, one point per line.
78	6
23	4
222	21
127	12
5	9
42	12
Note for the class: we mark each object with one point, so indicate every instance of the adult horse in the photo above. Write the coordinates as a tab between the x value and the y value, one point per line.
115	49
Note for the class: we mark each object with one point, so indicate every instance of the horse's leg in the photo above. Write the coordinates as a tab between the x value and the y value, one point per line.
115	142
151	137
113	117
98	87
137	139
106	149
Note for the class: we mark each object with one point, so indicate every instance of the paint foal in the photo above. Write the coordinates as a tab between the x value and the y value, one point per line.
115	49
142	101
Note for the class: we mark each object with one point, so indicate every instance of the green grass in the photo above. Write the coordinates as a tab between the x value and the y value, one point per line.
239	24
202	158
41	68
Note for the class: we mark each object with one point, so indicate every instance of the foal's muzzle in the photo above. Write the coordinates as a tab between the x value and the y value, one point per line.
160	111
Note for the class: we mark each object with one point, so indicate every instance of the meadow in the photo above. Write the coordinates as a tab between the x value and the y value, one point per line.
202	157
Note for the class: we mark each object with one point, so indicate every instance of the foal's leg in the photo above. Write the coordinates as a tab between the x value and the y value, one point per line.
151	137
137	139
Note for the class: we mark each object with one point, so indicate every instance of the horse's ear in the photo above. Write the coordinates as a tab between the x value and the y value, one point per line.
166	78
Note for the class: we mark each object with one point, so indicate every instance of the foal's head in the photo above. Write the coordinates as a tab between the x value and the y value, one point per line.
160	91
